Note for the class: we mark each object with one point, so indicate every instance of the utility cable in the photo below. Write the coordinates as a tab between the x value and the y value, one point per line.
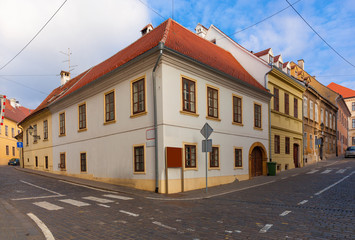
34	36
23	85
321	36
152	9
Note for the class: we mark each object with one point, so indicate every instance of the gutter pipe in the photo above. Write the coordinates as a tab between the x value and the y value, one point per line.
161	47
266	81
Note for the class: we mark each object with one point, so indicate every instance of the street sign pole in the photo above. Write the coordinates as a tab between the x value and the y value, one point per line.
206	157
206	132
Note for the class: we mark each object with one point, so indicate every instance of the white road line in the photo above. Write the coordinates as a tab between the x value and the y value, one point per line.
75	202
129	213
265	228
294	175
84	186
326	171
164	226
32	198
47	205
284	178
117	197
313	171
40	187
330	186
100	200
285	213
47	233
303	202
103	205
341	170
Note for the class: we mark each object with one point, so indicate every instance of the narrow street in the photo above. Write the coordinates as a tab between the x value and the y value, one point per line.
315	202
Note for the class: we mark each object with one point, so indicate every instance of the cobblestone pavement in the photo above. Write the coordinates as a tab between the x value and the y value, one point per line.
315	202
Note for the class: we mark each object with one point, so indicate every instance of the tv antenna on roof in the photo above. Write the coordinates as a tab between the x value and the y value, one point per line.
70	67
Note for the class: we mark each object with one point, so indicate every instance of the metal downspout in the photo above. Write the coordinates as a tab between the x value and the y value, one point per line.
266	86
161	47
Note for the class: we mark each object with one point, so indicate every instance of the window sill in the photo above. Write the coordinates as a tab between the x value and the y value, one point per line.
190	169
110	122
139	114
213	118
258	129
213	168
190	113
82	130
45	140
139	173
238	124
61	135
240	168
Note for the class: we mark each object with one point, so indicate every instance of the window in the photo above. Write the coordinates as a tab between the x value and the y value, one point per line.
311	109
45	129
322	115
353	106
238	158
7	150
271	59
353	140
316	142
6	131
36	161
139	159
214	157
190	156
257	116
62	161
310	141
83	162
12	132
26	137
295	107
287	104
62	124
188	95
277	144
138	96
110	106
212	102
280	65
287	145
330	120
305	107
305	141
13	151
334	122
353	123
288	71
276	99
237	109
316	112
82	116
326	118
46	161
35	133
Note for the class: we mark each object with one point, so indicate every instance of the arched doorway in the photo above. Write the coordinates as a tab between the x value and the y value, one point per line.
257	160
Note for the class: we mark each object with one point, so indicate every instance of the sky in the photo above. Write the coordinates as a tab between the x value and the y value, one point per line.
96	30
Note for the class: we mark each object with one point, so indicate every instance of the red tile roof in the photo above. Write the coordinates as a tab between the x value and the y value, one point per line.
344	91
262	53
15	114
276	59
173	36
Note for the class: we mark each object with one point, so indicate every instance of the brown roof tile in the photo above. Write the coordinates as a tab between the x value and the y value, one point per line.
344	91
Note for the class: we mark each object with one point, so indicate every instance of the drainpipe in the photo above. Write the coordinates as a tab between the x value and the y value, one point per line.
336	129
266	80
22	151
161	47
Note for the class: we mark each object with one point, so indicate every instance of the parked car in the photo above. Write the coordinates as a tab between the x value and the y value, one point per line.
14	162
350	152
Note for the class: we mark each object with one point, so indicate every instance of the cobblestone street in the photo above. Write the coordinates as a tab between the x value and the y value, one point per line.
315	202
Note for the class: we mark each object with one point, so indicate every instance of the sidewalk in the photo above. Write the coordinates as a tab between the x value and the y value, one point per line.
190	195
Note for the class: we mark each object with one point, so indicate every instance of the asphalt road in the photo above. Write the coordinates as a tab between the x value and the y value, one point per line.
315	204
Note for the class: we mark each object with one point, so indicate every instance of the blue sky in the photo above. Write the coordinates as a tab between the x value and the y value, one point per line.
95	30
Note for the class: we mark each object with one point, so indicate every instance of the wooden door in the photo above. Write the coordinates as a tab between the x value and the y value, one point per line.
256	162
295	155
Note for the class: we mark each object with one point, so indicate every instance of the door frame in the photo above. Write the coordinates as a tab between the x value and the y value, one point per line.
264	157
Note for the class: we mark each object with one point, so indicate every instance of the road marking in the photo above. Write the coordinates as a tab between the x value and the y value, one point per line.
47	233
129	213
330	186
47	205
265	228
164	226
32	198
117	197
294	175
285	213
40	187
75	202
326	171
303	202
103	205
341	170
100	200
284	178
84	186
313	171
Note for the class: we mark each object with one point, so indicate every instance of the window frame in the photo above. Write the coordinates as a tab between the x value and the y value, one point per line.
13	151
144	110
237	113
45	130
46	162
255	118
287	103
135	170
35	133
83	115
109	121
239	149
295	107
212	154
287	145
276	99
62	130
187	110
81	162
7	150
190	145
277	144
65	161
213	90
353	106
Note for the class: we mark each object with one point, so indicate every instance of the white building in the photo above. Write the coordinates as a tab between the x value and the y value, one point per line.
169	82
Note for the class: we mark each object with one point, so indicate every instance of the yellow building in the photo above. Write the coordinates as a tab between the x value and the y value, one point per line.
13	113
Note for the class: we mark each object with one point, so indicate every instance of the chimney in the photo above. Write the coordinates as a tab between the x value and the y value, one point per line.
201	31
300	63
64	77
147	29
